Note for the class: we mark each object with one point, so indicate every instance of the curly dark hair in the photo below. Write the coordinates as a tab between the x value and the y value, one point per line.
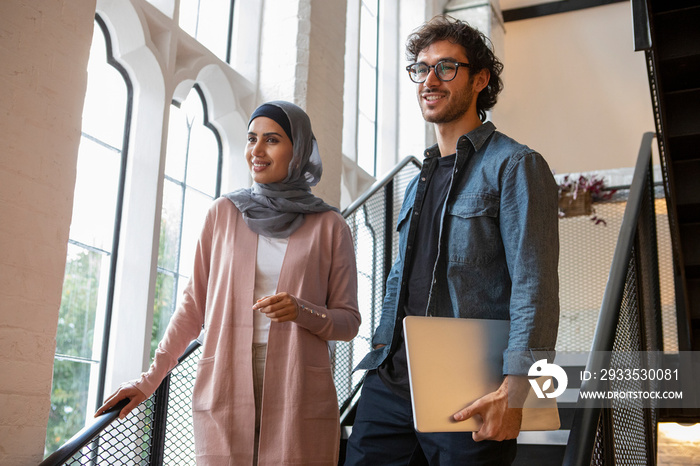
477	47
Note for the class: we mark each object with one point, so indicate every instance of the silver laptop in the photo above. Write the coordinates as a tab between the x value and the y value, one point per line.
452	362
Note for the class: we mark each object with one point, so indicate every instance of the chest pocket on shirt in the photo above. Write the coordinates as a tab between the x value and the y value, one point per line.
472	223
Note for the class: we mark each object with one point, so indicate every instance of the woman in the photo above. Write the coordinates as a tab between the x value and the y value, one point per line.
273	264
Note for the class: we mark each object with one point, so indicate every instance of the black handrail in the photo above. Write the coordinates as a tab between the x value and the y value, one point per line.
88	433
585	423
85	436
379	184
640	25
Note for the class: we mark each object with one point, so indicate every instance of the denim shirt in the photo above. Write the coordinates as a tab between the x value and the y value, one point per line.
498	252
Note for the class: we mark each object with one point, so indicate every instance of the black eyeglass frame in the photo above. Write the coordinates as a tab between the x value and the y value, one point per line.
456	63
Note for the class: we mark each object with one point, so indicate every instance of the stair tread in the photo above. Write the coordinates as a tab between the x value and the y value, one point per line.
547	437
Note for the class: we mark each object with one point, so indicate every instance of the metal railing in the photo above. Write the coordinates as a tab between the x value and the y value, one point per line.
629	323
139	438
372	219
160	432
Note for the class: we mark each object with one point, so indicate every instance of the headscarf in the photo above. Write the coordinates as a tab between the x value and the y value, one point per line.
276	210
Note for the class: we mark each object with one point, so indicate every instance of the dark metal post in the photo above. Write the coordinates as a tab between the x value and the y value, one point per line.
160	419
388	231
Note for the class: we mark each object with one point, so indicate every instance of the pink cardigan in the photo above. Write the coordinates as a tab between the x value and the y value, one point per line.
299	421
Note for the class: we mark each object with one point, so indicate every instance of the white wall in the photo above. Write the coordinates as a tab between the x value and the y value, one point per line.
575	90
44	53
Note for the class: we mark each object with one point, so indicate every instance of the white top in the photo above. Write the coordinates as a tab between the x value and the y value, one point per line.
268	264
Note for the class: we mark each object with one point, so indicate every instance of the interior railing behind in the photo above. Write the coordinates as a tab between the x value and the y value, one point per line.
159	431
629	323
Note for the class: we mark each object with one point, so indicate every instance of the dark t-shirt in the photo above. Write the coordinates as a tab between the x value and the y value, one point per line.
419	275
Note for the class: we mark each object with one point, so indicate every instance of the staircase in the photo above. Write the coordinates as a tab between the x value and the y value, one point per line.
674	63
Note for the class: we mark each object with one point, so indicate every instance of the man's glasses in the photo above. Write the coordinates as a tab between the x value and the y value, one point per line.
445	70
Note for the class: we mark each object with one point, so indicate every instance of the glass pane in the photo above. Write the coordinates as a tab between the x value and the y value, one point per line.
95	197
71	382
105	104
196	207
189	12
181	285
81	293
171	217
368	36
208	22
372	6
203	161
367	97
365	144
213	26
163	307
203	150
178	136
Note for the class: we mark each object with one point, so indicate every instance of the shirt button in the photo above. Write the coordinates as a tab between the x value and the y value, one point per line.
422	179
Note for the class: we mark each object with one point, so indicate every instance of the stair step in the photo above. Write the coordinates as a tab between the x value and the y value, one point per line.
678	74
681	112
546	437
688	213
690	243
677	33
686	174
684	147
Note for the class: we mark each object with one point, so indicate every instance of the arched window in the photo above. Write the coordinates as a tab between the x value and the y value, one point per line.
192	182
92	247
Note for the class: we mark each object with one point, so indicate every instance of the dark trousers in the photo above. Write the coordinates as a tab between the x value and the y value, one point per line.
383	434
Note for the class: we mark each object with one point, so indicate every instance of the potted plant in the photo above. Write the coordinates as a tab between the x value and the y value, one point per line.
577	195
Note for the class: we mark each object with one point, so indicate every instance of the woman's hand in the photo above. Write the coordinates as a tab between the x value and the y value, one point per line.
126	390
281	307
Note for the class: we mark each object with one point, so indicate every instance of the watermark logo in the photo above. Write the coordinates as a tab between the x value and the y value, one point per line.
543	368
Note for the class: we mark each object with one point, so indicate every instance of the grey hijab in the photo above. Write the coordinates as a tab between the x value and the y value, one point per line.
276	210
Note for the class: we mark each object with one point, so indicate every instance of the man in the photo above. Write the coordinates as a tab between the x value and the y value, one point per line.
478	238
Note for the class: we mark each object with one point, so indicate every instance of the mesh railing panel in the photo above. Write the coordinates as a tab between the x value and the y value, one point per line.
598	455
179	435
586	252
630	435
376	242
626	433
124	442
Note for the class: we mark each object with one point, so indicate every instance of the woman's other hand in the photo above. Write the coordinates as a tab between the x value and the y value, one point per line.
126	390
281	307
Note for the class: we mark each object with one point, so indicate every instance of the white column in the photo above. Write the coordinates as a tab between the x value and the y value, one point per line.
484	15
301	60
